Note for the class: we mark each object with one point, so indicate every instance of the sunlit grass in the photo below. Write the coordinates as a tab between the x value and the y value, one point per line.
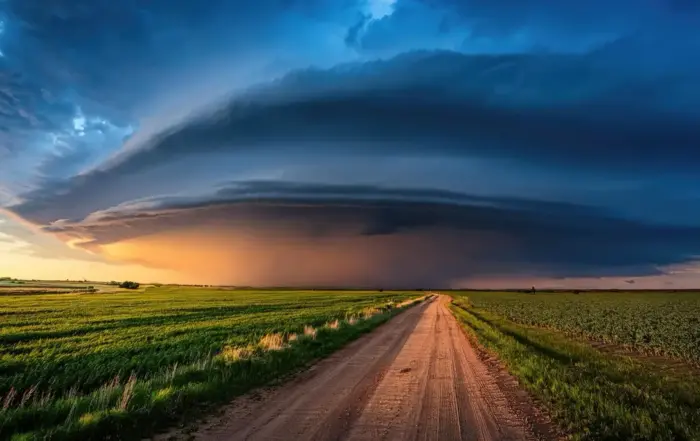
80	366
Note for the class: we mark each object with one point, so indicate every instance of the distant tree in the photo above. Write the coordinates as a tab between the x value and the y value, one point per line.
129	285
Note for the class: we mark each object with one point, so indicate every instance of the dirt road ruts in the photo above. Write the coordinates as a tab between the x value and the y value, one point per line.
415	378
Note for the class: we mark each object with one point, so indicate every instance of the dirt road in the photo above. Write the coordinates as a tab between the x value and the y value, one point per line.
415	378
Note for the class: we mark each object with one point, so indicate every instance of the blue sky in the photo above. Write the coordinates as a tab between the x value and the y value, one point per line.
437	142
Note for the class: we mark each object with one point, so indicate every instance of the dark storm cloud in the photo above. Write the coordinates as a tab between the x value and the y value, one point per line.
111	53
589	15
538	110
528	236
113	56
48	134
592	91
108	58
118	62
314	193
515	26
25	107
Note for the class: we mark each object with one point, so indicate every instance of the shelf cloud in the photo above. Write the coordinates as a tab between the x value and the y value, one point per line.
401	143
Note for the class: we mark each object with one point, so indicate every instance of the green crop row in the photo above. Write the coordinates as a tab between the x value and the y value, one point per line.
659	323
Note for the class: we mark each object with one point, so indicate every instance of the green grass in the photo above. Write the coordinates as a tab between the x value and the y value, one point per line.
592	394
80	366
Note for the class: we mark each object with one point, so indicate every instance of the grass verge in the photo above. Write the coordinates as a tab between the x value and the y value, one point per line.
592	395
135	409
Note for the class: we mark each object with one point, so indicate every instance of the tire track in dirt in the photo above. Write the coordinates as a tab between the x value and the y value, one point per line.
414	378
321	403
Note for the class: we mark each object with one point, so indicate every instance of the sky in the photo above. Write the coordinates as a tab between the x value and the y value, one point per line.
378	143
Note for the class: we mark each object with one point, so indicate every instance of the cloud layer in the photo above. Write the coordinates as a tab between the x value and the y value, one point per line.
442	139
399	236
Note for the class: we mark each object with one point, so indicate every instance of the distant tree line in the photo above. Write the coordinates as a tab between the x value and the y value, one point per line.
126	284
11	280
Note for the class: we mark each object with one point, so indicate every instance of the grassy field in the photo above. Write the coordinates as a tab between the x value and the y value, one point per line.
609	366
79	366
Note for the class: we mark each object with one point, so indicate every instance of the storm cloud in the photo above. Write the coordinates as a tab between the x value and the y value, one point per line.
438	139
460	235
552	111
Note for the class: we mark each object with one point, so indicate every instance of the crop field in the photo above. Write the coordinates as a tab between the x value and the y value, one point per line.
10	287
78	366
616	365
661	323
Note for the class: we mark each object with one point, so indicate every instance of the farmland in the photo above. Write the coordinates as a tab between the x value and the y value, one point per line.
659	323
77	366
9	287
606	365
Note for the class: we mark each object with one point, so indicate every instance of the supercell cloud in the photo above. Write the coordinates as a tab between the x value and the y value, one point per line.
394	143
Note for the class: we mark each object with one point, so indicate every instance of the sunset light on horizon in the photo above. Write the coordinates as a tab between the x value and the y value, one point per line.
373	143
